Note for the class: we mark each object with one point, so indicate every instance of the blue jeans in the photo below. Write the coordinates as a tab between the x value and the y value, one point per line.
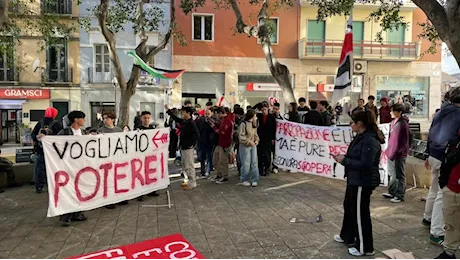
40	172
248	158
206	160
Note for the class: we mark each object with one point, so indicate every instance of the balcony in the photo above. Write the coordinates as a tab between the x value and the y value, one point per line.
99	77
9	75
58	76
366	50
57	7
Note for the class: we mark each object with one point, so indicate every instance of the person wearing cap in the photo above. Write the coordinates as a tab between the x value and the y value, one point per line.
385	111
189	135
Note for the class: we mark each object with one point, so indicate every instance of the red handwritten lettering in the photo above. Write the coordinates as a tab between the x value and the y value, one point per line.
148	171
162	164
136	167
118	176
58	184
77	183
106	167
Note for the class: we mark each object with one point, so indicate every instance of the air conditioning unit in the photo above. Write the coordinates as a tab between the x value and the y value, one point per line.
359	67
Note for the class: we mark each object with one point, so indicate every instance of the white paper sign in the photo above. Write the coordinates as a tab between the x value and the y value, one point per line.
88	172
306	148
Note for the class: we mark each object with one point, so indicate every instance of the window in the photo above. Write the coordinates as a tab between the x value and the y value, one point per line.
272	26
56	61
151	61
57	6
203	27
6	59
316	36
102	63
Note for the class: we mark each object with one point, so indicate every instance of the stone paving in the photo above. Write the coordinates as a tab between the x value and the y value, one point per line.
221	221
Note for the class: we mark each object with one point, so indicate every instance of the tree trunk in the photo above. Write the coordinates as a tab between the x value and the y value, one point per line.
124	107
281	74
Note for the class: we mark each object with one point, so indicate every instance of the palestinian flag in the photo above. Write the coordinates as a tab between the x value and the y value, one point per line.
344	73
155	72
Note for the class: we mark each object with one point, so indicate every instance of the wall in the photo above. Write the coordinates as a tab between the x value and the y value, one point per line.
227	44
420	17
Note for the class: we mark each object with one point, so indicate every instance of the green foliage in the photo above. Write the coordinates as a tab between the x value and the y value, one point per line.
430	33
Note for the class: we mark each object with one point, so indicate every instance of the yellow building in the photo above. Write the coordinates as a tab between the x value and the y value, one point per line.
45	74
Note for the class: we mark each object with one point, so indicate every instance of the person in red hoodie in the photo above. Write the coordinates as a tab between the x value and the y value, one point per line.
449	181
224	144
397	150
385	110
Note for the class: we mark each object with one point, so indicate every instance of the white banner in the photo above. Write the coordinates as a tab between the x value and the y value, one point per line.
307	149
88	172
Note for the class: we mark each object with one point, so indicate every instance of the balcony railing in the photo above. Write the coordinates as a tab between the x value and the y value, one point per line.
57	7
57	76
370	50
99	77
8	75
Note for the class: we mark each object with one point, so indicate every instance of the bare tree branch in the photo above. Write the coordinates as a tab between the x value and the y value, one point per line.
437	15
110	38
167	37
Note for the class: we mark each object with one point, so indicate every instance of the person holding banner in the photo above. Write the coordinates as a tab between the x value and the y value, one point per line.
77	118
189	136
362	172
267	134
247	135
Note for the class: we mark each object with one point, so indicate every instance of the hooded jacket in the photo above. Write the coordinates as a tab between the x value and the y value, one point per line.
362	160
398	142
225	130
445	126
385	115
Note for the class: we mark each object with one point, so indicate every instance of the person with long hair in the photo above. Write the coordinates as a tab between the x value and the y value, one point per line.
362	172
293	114
248	138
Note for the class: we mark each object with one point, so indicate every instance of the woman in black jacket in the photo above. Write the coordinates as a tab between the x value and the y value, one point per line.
362	172
293	113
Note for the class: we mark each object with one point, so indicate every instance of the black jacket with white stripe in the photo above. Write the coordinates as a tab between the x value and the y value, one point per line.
362	160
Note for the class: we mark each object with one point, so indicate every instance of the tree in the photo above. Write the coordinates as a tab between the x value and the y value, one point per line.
143	16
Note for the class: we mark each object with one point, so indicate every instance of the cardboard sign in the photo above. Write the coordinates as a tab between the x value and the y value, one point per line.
308	149
169	247
88	172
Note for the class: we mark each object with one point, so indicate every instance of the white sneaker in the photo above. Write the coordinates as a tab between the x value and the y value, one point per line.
337	238
387	195
355	252
254	184
245	183
275	170
395	200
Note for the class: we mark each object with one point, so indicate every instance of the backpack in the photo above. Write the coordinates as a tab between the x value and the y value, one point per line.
47	129
451	161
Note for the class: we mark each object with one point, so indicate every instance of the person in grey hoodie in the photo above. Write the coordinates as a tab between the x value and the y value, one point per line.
444	127
109	124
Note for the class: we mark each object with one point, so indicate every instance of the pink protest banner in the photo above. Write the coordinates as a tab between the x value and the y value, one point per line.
169	247
308	149
88	172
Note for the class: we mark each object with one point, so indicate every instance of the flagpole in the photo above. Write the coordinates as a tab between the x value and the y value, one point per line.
352	67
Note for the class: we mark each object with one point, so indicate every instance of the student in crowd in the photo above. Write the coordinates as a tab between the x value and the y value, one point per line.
277	115
360	106
397	151
293	115
137	120
409	109
173	136
362	172
239	118
109	127
189	136
248	108
248	138
385	111
338	112
444	127
267	135
109	118
126	128
6	166
302	105
145	125
449	181
208	105
371	106
47	126
205	143
325	114
77	119
187	103
224	145
90	131
313	117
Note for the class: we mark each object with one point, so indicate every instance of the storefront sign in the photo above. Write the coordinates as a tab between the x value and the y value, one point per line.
88	172
263	87
308	149
23	93
169	247
325	87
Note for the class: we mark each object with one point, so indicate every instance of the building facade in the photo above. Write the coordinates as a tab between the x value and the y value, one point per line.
100	92
215	58
44	74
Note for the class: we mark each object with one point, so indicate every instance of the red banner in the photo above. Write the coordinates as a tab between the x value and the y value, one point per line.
24	93
169	247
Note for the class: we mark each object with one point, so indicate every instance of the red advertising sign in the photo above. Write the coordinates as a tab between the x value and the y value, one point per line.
262	87
169	247
24	93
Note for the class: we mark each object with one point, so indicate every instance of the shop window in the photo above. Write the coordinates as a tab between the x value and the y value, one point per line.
56	60
102	64
273	29
6	59
203	27
62	108
57	6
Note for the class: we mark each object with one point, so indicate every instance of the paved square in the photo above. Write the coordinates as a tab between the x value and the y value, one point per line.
221	221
